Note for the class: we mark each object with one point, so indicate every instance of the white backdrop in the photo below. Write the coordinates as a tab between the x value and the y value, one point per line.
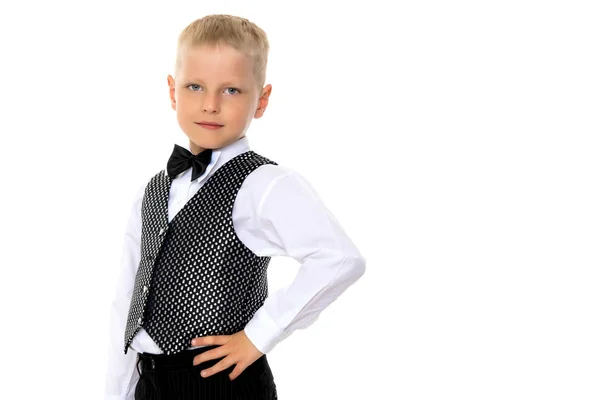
456	143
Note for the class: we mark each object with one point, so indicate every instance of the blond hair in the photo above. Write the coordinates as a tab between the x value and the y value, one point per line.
222	29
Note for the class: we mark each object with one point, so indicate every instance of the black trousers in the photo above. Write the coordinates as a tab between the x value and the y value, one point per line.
174	377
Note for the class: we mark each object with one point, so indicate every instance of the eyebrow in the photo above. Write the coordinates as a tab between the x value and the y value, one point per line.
226	83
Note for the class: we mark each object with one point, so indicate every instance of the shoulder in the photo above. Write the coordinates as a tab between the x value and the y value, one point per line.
275	179
263	170
267	174
147	183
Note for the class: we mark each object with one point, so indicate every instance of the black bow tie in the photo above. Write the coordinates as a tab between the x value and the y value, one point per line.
181	159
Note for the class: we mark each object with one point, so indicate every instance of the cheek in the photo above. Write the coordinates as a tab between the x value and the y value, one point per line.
183	106
183	114
249	110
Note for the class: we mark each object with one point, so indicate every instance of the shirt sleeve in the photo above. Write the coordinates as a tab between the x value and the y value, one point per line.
122	375
293	220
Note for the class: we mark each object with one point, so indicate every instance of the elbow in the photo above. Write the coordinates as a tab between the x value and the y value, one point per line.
354	268
360	265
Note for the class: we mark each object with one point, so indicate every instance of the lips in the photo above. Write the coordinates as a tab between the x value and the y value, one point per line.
206	123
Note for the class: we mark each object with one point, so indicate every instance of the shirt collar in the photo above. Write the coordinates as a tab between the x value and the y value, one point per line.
219	157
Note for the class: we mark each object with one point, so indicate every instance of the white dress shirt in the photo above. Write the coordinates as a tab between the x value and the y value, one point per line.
276	213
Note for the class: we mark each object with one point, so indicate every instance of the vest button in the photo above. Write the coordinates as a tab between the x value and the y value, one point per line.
162	230
145	289
139	321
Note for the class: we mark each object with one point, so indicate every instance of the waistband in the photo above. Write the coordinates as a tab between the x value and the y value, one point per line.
183	359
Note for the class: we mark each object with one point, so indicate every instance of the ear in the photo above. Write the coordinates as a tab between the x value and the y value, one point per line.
263	101
171	83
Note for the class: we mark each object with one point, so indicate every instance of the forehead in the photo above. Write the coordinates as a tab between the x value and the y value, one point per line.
215	63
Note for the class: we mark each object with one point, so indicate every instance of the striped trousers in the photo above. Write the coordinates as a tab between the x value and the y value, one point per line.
174	377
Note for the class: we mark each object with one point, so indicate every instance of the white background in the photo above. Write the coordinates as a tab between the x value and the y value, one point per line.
456	142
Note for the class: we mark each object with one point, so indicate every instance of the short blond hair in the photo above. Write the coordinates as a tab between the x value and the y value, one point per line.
222	29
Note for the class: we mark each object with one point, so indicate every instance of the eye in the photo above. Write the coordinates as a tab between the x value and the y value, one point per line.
228	90
193	86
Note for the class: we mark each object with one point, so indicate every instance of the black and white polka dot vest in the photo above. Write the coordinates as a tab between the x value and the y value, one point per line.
195	277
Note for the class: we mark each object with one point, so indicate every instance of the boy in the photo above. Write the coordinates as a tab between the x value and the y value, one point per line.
192	312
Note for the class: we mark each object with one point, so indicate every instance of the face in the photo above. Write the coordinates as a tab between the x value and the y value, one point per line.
216	85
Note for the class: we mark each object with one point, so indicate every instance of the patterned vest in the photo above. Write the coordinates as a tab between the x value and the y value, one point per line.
195	277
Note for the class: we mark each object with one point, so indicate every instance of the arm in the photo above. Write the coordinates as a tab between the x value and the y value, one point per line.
122	374
294	221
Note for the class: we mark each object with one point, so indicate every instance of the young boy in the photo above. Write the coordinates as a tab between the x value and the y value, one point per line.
193	294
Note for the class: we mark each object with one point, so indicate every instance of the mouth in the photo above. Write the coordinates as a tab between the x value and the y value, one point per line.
209	125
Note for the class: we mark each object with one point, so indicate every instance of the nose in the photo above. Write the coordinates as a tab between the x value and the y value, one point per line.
211	103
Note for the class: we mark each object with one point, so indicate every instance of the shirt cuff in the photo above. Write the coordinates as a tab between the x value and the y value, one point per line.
263	331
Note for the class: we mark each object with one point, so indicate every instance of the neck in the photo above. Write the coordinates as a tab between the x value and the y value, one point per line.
195	149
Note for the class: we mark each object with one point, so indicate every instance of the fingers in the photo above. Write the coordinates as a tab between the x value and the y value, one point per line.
210	355
239	368
210	340
218	367
236	349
